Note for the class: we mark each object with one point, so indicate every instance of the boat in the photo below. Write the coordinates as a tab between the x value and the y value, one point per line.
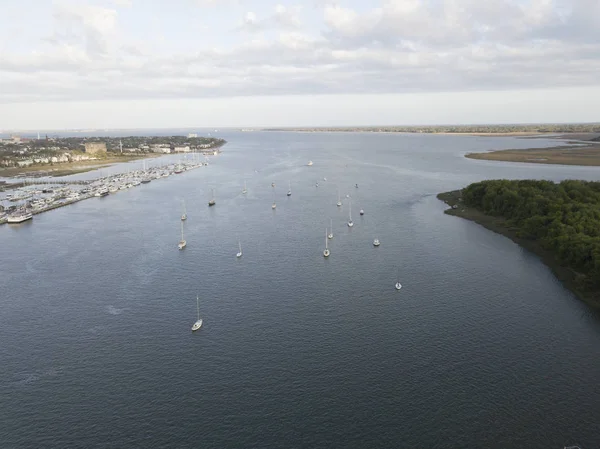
356	185
198	324
245	189
273	206
102	192
146	180
350	222
272	184
339	203
324	179
317	185
330	235
182	243
212	201
362	212
289	193
239	254
184	214
19	217
376	242
326	251
398	284
309	163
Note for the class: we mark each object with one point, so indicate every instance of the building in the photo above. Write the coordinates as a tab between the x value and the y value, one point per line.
192	135
95	147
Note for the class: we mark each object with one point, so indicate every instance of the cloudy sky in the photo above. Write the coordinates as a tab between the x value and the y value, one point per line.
151	63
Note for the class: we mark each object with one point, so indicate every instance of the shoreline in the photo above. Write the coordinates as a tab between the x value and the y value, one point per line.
500	226
68	168
581	155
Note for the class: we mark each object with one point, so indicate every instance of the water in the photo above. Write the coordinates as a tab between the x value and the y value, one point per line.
482	347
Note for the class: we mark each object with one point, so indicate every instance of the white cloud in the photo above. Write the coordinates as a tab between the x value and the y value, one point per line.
122	3
396	46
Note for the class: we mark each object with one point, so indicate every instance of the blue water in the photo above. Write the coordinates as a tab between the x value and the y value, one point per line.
482	347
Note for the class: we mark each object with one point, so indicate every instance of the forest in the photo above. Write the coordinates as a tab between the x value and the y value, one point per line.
564	218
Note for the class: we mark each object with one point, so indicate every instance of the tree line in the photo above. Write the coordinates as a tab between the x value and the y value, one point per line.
563	217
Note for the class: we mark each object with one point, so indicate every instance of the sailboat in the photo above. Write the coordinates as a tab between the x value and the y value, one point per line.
362	212
289	193
239	254
398	284
184	214
330	236
182	242
376	242
309	163
245	189
273	206
198	324
326	251
339	203
212	200
350	222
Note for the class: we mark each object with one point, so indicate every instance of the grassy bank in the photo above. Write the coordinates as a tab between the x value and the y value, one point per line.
501	226
69	168
564	155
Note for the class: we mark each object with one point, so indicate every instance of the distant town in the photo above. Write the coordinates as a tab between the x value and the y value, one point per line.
19	152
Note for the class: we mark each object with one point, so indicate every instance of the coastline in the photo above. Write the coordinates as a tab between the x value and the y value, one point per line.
69	168
500	226
584	155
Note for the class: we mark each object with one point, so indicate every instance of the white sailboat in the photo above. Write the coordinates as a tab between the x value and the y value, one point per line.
339	203
326	251
309	163
330	236
198	324
289	193
184	214
182	243
350	222
245	189
376	242
212	201
274	205
239	254
398	284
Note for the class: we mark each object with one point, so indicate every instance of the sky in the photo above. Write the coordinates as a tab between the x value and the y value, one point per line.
72	64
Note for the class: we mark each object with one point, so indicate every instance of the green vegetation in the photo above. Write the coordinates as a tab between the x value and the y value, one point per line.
464	129
562	220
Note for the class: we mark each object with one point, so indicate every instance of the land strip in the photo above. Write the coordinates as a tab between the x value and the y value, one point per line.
501	226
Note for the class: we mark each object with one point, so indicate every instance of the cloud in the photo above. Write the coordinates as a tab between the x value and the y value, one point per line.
122	3
395	46
284	17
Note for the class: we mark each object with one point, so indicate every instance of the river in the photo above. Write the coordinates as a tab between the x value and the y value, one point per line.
482	347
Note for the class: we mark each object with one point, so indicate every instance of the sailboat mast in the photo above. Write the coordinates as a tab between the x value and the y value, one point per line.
350	209
182	231
325	238
198	306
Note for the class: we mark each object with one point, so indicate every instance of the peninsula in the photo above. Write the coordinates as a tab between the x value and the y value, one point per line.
583	149
558	222
60	156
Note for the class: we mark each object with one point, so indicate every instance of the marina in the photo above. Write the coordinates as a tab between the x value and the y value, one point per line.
39	196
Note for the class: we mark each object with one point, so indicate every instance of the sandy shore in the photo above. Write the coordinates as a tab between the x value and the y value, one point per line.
501	226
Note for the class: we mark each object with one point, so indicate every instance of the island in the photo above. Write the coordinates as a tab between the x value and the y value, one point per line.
559	222
582	149
60	156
